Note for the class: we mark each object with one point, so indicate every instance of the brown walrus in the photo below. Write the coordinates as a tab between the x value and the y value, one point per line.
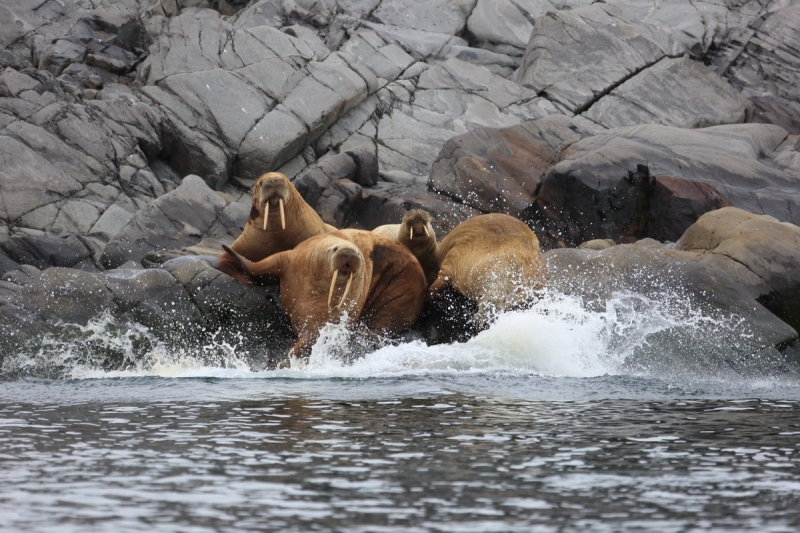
493	260
416	233
279	220
353	275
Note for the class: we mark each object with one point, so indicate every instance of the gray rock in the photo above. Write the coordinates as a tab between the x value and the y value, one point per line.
60	54
439	16
673	92
496	23
575	57
177	219
766	68
44	249
735	328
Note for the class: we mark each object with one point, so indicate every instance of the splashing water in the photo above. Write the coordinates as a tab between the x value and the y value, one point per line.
560	335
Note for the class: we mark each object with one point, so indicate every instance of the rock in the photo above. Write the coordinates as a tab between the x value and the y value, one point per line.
674	92
596	244
498	170
677	203
575	57
760	255
43	249
177	219
438	16
601	188
766	68
658	282
62	53
504	24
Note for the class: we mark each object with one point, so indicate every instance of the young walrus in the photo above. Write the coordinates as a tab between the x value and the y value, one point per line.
416	233
349	274
493	260
279	220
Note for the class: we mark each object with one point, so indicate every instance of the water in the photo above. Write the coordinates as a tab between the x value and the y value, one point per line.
639	415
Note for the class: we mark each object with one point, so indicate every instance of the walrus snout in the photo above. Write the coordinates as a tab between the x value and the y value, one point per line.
346	261
416	222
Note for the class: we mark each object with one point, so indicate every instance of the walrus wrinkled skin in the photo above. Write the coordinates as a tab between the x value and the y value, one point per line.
350	275
279	220
494	260
416	233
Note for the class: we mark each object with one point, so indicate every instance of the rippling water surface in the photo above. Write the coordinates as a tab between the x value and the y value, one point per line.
637	416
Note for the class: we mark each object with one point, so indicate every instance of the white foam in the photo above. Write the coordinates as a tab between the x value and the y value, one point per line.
559	336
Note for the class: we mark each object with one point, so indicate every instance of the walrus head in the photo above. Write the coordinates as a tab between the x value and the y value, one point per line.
270	194
416	223
346	262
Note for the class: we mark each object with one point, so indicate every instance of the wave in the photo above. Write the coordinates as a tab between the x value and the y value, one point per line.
561	335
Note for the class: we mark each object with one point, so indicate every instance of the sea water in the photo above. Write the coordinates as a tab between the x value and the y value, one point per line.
637	415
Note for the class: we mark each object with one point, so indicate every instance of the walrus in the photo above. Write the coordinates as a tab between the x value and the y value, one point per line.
352	275
416	233
279	220
493	260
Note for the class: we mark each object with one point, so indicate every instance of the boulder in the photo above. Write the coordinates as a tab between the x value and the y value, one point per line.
177	219
437	16
760	254
700	303
605	186
499	170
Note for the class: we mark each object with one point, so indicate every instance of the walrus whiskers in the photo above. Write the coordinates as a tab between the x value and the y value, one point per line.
333	284
283	217
266	215
346	290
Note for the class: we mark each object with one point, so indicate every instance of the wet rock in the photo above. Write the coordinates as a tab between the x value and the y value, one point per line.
59	294
759	253
605	185
596	244
677	203
44	249
684	282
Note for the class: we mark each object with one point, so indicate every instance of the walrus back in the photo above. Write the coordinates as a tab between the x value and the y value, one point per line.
494	260
397	292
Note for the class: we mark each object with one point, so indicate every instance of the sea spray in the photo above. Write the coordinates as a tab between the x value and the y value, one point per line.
665	336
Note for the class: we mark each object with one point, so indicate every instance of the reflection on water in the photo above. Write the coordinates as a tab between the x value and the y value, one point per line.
442	462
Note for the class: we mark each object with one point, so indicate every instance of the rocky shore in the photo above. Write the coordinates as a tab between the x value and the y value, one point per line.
648	143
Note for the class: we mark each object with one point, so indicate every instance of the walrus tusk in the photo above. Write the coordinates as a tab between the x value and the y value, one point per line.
283	218
333	284
427	234
266	215
346	290
410	234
